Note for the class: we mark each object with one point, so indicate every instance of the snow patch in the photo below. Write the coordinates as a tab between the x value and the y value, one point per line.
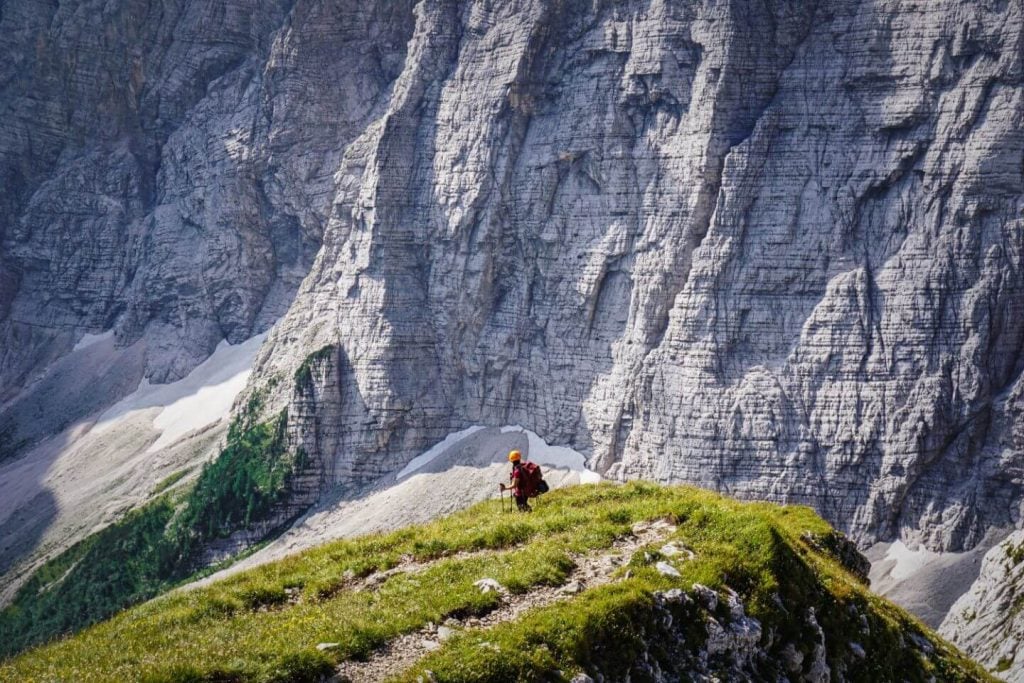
436	450
88	340
540	452
908	562
193	402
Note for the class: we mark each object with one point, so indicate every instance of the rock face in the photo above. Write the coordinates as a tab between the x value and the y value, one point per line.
769	248
988	621
166	168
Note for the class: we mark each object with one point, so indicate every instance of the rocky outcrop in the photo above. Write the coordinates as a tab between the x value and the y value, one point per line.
769	248
988	621
166	169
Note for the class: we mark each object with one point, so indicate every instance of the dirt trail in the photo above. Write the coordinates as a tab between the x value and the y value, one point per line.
592	569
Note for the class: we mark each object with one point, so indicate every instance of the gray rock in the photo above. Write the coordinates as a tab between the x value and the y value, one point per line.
767	248
987	622
792	658
489	585
798	281
167	171
667	569
772	262
706	597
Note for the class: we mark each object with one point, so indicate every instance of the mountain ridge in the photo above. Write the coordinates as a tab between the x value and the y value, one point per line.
584	585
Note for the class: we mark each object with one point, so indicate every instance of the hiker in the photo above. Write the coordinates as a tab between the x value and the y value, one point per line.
527	481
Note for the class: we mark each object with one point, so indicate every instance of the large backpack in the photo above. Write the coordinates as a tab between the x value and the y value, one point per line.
533	479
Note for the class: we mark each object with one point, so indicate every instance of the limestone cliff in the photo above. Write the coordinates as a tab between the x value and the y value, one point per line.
166	168
770	248
987	622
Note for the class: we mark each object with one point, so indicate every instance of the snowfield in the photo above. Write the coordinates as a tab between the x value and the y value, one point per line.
94	470
193	402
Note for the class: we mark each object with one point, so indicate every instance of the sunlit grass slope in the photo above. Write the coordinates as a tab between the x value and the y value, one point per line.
264	624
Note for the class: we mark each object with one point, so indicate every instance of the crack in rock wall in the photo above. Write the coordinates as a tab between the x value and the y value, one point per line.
772	248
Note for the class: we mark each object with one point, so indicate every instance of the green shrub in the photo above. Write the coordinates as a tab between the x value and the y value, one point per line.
304	373
243	484
128	561
169	481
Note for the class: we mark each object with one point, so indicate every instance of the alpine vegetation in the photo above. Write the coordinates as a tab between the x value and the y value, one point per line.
610	582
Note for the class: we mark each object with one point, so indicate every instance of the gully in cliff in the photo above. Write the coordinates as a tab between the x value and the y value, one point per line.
526	479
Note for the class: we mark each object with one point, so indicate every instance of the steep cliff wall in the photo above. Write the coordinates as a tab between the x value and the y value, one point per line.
987	622
769	248
167	167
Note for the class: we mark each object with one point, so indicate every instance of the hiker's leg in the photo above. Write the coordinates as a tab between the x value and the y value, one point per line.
523	505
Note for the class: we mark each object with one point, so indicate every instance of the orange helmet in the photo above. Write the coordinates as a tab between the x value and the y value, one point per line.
515	456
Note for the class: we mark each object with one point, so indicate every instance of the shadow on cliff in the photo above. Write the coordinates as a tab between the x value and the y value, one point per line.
28	508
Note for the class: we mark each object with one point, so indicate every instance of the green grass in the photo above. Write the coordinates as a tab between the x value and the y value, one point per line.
264	624
759	550
169	481
122	564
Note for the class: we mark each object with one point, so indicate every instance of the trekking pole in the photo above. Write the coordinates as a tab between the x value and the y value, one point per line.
501	492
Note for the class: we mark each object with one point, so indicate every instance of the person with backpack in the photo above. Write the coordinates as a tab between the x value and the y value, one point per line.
526	479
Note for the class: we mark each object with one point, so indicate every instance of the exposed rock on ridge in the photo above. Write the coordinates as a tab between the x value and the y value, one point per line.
773	248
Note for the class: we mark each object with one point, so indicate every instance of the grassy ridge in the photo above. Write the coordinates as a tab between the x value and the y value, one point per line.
264	624
770	555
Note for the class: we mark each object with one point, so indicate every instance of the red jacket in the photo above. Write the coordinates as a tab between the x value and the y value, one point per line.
522	483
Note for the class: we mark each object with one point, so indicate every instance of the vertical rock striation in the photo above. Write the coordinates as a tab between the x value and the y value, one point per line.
167	168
